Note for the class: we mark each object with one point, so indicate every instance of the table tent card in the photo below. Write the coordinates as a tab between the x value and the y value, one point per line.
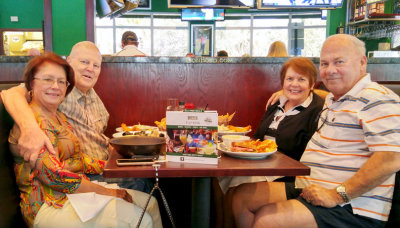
191	136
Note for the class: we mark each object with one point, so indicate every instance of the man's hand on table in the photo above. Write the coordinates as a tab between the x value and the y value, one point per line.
31	141
320	196
274	98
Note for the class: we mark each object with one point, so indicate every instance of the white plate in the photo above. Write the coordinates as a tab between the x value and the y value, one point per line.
142	127
244	155
233	132
119	134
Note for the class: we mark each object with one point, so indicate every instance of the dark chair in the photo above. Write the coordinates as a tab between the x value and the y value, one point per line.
394	216
10	213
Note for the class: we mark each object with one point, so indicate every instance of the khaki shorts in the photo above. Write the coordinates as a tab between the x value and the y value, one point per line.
117	213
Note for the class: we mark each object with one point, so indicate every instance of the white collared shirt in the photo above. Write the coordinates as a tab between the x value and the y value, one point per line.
280	114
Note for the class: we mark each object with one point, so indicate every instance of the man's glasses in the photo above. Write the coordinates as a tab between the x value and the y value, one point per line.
50	81
323	115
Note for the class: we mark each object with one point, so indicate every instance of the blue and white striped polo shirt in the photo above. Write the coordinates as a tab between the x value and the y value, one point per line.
364	120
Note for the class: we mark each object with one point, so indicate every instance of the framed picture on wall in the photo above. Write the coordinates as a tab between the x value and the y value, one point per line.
144	5
201	43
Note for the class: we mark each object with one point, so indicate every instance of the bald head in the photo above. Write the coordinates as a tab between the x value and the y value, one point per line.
84	45
357	44
342	63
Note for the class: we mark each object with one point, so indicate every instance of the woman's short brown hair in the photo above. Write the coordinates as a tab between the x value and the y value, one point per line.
48	57
300	65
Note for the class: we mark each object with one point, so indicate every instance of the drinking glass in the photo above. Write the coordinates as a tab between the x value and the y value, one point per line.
172	104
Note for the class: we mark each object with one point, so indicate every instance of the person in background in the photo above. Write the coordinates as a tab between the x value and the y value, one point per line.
277	49
33	52
130	44
190	54
222	53
353	155
45	185
85	112
203	40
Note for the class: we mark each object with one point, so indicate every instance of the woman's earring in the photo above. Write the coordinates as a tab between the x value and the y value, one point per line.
30	93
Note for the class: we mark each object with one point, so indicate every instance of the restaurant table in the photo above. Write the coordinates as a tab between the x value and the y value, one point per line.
276	164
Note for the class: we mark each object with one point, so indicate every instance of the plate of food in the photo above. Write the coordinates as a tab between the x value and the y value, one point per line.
162	124
156	133
250	149
232	130
137	127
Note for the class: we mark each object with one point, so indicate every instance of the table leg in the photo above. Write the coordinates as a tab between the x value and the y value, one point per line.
201	199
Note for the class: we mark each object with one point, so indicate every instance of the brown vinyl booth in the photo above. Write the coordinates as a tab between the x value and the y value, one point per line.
10	213
131	91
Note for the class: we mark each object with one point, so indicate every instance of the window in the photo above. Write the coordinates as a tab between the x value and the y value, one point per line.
164	34
158	34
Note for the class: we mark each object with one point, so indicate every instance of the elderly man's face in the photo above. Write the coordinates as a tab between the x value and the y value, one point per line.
86	63
341	66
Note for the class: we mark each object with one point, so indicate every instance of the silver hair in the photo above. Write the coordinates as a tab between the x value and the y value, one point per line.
360	45
84	44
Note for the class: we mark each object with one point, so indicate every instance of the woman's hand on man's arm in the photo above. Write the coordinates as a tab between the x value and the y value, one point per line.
32	138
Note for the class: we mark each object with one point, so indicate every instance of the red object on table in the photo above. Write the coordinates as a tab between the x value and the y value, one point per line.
189	106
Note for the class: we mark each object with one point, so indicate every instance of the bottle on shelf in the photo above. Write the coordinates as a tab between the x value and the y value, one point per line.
340	29
356	9
363	6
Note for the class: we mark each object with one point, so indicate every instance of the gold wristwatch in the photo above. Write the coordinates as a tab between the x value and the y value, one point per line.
341	190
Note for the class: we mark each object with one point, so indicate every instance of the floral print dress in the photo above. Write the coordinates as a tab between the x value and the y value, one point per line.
53	176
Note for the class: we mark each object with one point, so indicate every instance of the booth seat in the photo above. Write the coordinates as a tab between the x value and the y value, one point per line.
10	214
394	217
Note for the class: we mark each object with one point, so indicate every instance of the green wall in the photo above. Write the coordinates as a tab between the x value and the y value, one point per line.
69	24
69	19
29	12
335	17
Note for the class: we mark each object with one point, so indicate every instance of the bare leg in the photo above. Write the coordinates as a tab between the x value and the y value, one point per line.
290	213
249	198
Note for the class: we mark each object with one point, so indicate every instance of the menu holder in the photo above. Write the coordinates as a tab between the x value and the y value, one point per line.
190	136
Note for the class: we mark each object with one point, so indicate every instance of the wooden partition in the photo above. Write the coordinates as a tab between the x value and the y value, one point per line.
137	92
135	89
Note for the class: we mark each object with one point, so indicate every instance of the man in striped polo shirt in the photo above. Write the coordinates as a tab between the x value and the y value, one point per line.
353	156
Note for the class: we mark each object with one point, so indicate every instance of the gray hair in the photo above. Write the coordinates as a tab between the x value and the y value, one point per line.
84	44
358	44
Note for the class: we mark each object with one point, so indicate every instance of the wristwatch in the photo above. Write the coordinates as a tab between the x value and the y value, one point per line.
341	190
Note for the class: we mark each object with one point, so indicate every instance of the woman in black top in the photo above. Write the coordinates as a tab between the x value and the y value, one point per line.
292	120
